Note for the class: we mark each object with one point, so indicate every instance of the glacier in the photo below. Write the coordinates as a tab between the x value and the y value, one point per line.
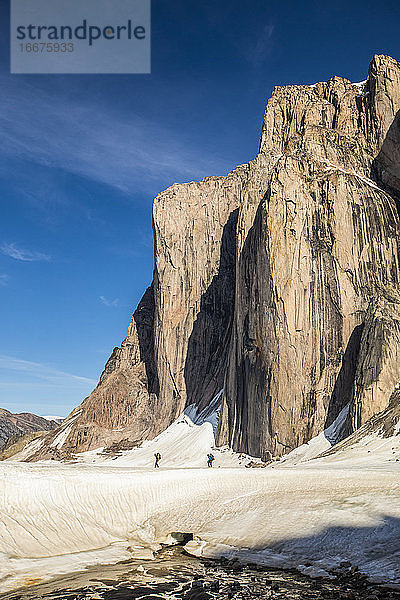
57	518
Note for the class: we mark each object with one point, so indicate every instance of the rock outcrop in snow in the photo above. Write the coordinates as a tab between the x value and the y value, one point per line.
278	283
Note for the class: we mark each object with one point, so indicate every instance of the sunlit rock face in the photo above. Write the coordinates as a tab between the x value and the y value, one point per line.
278	283
317	264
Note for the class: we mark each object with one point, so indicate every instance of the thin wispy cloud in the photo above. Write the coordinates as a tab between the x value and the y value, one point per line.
263	45
24	255
146	239
41	372
127	152
3	279
110	303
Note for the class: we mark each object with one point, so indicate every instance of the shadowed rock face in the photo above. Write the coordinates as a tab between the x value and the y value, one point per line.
378	366
278	283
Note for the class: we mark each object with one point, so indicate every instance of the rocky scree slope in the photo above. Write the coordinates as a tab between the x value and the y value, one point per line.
278	283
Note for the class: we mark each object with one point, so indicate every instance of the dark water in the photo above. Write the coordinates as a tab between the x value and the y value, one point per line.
173	575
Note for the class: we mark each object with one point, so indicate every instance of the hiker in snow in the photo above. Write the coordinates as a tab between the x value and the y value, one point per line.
210	458
158	458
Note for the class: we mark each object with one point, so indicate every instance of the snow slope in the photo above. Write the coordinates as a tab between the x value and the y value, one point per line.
183	444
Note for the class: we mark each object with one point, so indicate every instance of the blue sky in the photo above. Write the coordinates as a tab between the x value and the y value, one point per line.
82	157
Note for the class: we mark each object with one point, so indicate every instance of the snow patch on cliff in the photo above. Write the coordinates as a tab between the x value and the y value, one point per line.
210	414
325	440
60	439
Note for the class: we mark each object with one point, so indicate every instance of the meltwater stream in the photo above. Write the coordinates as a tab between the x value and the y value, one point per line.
173	575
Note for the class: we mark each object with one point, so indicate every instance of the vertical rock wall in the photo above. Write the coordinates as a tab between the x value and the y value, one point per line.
278	283
321	251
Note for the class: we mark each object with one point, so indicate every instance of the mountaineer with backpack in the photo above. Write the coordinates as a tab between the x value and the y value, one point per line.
210	458
158	458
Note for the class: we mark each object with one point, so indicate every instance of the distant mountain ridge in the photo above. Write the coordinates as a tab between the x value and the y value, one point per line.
18	424
278	284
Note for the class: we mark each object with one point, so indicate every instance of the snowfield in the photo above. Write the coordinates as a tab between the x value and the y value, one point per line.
310	514
59	518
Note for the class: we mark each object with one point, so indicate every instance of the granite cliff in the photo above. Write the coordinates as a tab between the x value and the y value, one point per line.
278	284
